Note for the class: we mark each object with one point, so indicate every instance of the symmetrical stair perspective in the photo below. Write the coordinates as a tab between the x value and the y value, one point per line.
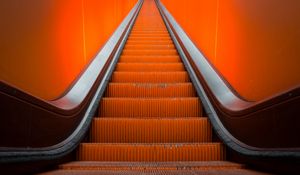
150	119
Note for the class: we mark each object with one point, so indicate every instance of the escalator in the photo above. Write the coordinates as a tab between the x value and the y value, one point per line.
150	119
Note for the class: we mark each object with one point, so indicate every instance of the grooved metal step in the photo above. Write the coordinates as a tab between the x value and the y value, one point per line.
149	59
150	107
149	52
190	165
143	90
149	67
157	130
150	77
148	47
151	152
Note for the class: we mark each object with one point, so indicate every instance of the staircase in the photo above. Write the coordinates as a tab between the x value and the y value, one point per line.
150	119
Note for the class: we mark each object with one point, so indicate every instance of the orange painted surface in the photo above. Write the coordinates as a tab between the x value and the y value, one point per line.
254	44
46	44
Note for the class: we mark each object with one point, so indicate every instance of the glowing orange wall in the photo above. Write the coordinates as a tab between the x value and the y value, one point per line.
45	44
254	44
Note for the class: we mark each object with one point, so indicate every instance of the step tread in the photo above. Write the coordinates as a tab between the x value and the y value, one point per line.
151	152
147	47
149	52
149	35
150	42
150	77
150	130
153	172
150	107
195	165
142	37
151	67
150	90
148	59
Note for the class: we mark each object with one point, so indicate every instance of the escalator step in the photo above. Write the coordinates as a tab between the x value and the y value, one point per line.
149	29
131	130
148	47
149	59
149	37
150	77
150	107
151	152
149	67
144	171
195	165
150	52
150	90
144	32
150	42
166	34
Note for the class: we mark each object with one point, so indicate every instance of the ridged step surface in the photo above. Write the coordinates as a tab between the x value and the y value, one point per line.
150	42
194	165
147	32
149	67
150	107
161	52
150	77
144	90
128	130
154	33
151	152
149	38
148	47
149	59
157	172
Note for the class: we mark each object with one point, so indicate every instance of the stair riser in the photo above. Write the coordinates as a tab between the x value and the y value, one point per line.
150	130
143	108
142	90
155	42
162	30
149	59
149	47
149	52
149	38
122	67
149	35
150	77
187	165
141	32
110	152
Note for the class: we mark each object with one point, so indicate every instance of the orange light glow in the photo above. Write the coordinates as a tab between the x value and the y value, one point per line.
46	44
254	44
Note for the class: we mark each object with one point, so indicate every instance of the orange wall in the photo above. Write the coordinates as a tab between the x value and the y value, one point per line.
45	44
254	44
